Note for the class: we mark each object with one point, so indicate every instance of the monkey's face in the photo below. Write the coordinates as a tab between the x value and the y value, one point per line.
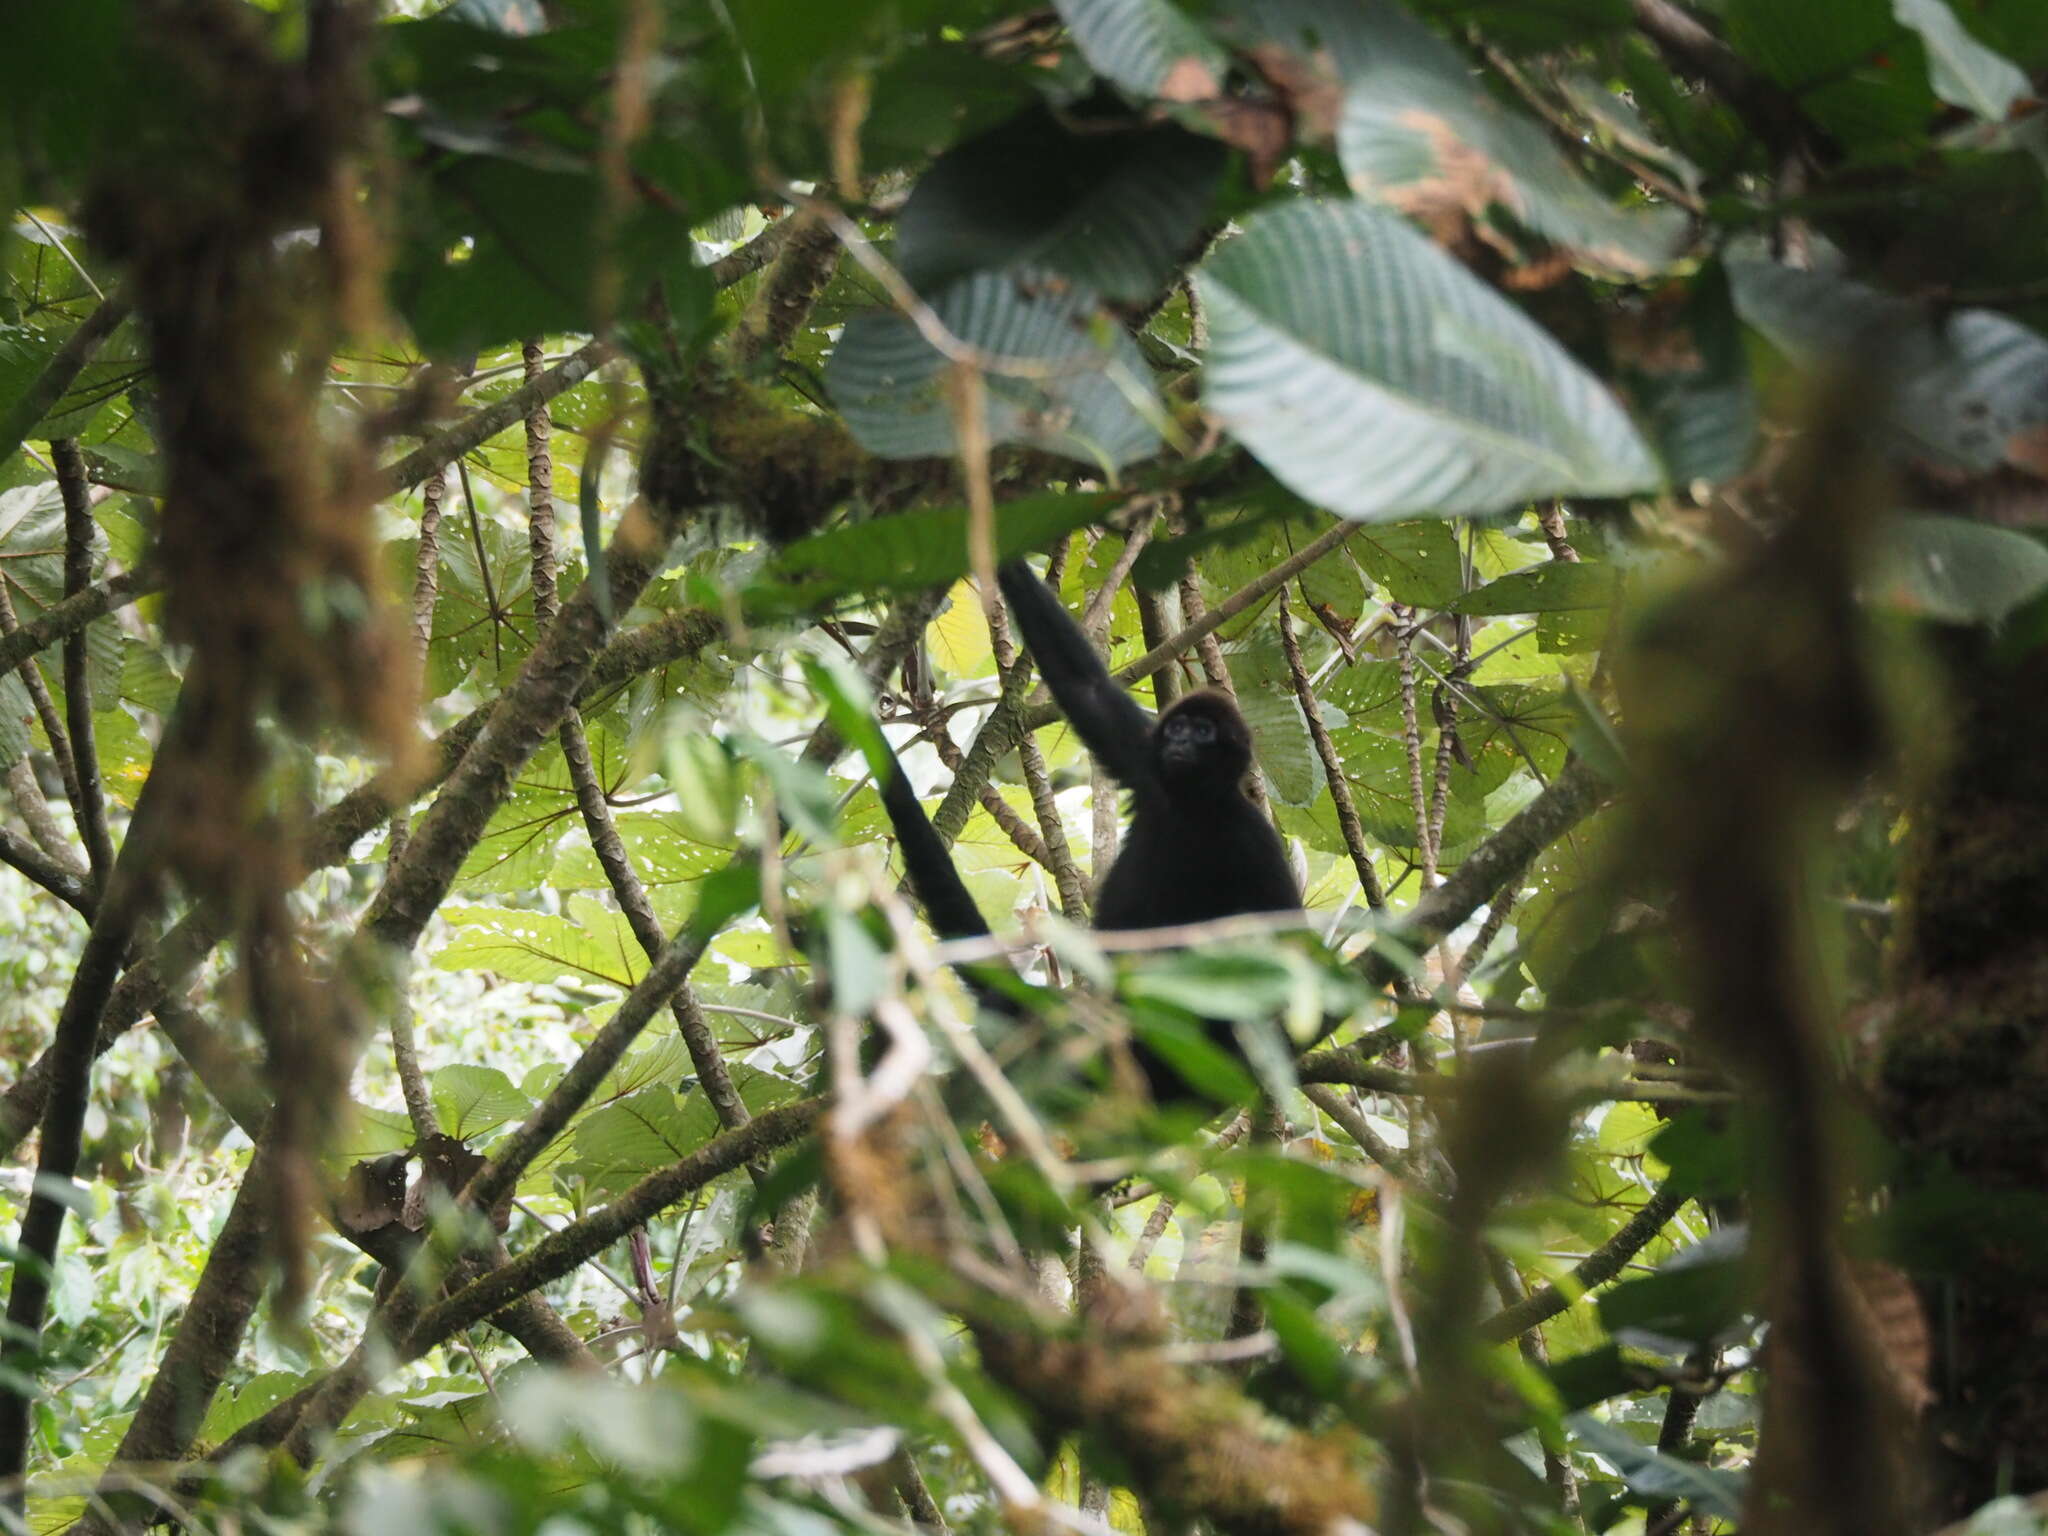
1202	743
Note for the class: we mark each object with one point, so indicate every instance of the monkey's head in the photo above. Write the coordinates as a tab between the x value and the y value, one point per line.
1202	745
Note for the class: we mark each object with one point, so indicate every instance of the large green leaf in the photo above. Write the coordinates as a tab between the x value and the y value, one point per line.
1965	384
1080	374
594	944
1518	24
16	711
1115	207
32	568
663	851
910	552
1958	571
1377	377
1647	1471
1556	586
1149	47
1280	740
1855	70
1420	133
1963	72
470	1100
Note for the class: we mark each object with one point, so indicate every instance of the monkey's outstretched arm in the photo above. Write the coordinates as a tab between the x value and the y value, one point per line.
1115	729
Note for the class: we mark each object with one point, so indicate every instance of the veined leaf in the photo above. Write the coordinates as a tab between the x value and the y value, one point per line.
1146	46
595	944
912	551
1710	1490
1281	743
1556	586
1958	571
471	1100
1965	386
1115	209
1419	132
891	384
1375	376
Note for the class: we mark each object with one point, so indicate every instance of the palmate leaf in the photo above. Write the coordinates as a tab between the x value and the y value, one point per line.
1373	375
891	384
594	944
470	1100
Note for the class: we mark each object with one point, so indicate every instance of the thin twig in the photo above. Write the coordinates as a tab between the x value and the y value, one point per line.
23	856
1038	782
43	393
46	713
1348	824
124	904
1355	1125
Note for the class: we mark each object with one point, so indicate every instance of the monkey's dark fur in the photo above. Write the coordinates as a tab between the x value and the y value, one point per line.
1197	847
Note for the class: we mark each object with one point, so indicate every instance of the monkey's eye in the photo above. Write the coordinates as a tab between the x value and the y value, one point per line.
1196	728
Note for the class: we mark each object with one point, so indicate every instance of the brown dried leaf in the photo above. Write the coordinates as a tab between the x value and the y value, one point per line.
1190	80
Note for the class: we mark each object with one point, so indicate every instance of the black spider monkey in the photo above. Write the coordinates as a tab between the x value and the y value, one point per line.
1197	847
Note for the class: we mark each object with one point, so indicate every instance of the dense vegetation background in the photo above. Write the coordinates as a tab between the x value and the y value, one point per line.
469	479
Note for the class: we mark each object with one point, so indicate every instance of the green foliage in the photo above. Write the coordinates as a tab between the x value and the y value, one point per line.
1463	274
1340	338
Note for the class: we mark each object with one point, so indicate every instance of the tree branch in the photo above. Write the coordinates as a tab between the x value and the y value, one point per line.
130	892
322	1407
1596	1268
18	853
91	806
59	373
481	426
1348	823
74	613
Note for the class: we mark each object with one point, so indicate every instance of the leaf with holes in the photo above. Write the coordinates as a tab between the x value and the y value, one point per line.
1375	376
1420	133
